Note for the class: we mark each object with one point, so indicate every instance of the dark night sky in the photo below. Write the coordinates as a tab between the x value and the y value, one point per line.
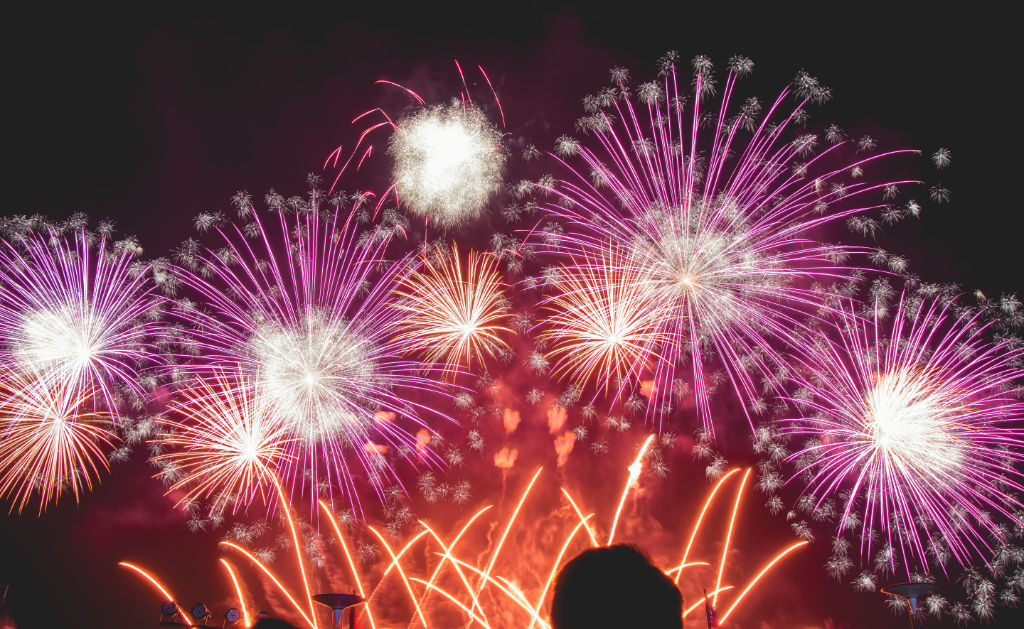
149	119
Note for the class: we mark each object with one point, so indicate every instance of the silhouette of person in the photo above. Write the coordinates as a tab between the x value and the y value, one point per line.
616	587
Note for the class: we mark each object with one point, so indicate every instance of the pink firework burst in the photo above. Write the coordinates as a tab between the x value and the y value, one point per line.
918	426
301	310
79	314
714	217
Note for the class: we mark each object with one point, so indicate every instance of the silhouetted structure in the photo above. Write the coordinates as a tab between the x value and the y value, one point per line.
910	592
614	588
273	623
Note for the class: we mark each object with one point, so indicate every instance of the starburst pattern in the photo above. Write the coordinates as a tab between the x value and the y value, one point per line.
223	443
77	315
919	422
721	226
302	311
453	312
48	445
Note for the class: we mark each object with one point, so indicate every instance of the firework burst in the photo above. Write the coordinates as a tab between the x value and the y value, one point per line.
920	423
303	314
47	444
448	159
223	444
77	315
452	313
603	324
448	162
720	227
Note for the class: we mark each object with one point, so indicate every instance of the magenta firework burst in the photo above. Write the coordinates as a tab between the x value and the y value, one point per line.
300	310
718	215
918	424
78	314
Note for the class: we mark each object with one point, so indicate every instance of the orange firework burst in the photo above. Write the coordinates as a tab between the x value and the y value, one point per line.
603	324
47	444
467	578
226	445
453	313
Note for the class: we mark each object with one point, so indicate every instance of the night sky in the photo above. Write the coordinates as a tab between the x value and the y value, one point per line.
149	119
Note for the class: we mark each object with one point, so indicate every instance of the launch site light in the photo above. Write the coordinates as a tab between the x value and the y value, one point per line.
232	615
168	609
199	611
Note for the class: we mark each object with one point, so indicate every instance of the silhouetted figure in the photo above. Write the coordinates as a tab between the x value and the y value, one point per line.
615	588
273	623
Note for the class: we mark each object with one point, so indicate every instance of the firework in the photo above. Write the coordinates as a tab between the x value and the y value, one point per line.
302	313
602	324
47	444
721	227
919	422
448	159
466	582
453	313
77	315
225	442
448	162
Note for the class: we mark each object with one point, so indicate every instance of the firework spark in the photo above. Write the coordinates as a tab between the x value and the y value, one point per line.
720	227
453	313
303	313
77	315
47	445
920	423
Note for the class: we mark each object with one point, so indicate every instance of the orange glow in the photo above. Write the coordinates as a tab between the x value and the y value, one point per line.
384	416
728	534
564	445
511	521
634	474
687	565
507	588
469	612
701	600
554	569
648	388
487	584
348	557
401	573
298	547
511	420
505	458
447	556
422	439
557	417
238	590
375	448
278	583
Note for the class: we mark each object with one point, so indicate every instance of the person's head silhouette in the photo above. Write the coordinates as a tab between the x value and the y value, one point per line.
616	587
